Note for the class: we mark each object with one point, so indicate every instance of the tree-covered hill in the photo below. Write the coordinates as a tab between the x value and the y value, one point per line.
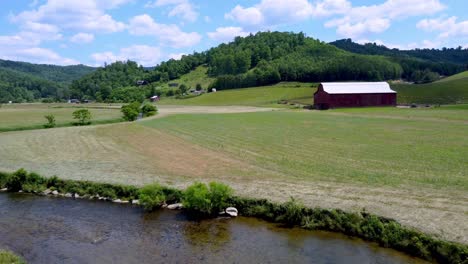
22	81
262	59
59	74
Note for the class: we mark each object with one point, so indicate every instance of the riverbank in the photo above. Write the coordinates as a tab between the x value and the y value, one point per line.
7	257
386	232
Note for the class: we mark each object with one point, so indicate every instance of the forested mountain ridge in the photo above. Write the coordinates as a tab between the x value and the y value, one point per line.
256	60
444	55
55	73
260	59
22	81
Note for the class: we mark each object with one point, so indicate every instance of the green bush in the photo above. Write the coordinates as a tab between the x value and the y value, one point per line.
197	198
131	111
8	257
149	110
83	116
50	121
207	200
293	213
152	196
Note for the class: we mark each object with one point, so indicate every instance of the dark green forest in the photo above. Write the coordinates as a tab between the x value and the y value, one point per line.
261	59
22	81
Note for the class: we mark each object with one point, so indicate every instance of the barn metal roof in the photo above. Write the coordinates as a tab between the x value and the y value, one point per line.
356	87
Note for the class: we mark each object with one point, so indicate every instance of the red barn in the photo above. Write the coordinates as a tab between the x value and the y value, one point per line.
353	94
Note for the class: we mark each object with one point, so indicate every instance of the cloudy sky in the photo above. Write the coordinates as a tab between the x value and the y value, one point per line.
92	32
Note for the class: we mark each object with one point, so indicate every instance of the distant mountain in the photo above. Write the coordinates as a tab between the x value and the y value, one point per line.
22	81
444	55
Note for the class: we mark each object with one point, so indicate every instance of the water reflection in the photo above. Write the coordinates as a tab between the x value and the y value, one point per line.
54	230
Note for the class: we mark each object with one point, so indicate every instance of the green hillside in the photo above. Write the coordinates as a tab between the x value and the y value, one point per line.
257	96
21	81
198	76
462	75
452	90
54	73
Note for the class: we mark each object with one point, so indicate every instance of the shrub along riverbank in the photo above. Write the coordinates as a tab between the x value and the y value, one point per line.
208	200
7	257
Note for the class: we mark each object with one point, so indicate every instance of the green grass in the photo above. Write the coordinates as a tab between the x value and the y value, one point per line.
31	116
447	91
256	96
7	257
333	146
191	79
462	75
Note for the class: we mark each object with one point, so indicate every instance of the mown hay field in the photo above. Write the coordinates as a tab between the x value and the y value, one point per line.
29	116
407	164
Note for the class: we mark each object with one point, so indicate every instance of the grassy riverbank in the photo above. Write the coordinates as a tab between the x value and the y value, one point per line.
7	257
386	232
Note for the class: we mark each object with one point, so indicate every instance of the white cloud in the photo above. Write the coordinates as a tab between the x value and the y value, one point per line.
83	15
82	38
180	8
425	44
35	55
225	34
142	54
349	21
448	27
176	56
275	12
377	18
171	35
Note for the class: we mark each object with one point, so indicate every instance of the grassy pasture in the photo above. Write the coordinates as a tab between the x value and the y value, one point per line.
366	149
451	90
31	116
257	96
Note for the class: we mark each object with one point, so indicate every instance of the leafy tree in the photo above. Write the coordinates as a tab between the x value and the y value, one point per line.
198	87
50	121
83	116
183	88
148	110
131	111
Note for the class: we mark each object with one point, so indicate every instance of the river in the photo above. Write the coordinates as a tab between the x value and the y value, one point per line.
59	230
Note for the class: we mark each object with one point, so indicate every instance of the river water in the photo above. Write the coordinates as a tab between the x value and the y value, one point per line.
59	230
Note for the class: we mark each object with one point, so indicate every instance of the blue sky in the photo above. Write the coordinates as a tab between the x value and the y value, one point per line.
93	32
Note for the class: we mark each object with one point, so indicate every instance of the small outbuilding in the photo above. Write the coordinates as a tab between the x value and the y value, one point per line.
353	94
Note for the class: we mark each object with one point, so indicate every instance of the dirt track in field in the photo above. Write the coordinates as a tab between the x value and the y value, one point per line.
134	154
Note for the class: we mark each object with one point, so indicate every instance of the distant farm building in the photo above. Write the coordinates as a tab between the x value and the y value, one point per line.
354	94
141	82
154	98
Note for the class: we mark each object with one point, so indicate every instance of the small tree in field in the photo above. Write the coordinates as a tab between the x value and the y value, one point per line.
50	121
83	116
198	87
131	111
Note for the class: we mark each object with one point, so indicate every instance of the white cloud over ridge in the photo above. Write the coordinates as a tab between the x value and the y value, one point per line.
447	27
142	54
225	34
170	35
349	21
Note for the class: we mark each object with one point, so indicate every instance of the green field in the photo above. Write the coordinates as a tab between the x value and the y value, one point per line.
324	146
31	116
451	90
191	79
257	96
